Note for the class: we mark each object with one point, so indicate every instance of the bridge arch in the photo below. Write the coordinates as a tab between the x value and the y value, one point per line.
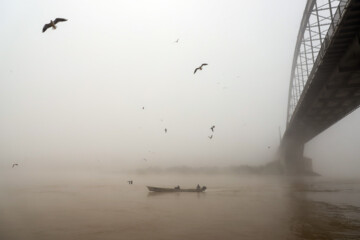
318	24
325	75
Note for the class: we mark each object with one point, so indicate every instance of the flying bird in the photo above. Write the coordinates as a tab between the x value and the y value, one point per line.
177	41
200	68
52	23
165	130
143	108
210	137
15	164
212	128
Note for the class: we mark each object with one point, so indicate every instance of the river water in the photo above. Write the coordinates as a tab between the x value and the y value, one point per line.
87	205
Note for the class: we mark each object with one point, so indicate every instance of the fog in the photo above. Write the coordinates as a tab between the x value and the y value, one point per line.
74	97
106	107
336	151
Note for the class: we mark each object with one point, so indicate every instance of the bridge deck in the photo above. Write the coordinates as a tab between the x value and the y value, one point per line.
334	88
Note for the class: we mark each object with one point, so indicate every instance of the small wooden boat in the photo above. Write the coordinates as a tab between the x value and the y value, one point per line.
176	189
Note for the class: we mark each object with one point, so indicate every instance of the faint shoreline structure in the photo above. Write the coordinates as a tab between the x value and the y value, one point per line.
271	168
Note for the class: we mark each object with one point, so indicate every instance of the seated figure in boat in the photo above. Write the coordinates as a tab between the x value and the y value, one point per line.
198	187
177	187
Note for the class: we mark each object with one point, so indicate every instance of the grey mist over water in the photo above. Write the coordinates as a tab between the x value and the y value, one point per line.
99	91
84	108
102	205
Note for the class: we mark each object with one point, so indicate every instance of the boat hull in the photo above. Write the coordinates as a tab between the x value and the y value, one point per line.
157	189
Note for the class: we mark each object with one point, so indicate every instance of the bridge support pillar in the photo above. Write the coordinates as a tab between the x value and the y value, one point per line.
293	160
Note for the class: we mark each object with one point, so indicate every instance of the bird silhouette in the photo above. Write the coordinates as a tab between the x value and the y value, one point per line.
212	128
200	68
52	23
177	41
15	164
165	130
143	108
210	137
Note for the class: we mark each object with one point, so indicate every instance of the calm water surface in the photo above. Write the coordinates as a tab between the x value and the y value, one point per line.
87	205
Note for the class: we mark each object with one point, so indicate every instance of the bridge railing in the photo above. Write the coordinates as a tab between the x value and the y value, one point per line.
319	22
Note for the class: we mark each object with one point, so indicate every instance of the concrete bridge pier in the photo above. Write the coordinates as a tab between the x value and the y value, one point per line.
292	158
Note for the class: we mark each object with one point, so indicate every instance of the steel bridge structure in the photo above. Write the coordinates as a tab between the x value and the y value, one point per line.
325	75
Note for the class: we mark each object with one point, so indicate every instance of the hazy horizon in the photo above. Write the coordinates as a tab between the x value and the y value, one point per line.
73	97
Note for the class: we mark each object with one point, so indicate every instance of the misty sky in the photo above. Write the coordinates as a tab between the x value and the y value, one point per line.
74	95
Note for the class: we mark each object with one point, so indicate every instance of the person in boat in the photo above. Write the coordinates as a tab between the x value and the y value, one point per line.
177	187
198	187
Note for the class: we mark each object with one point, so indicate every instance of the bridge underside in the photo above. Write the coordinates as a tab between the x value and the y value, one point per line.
332	93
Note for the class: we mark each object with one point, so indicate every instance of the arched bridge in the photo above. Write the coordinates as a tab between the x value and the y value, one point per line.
325	75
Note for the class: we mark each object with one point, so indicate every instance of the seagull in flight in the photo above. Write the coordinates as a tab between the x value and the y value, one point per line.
15	164
52	23
212	128
210	137
200	68
177	41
